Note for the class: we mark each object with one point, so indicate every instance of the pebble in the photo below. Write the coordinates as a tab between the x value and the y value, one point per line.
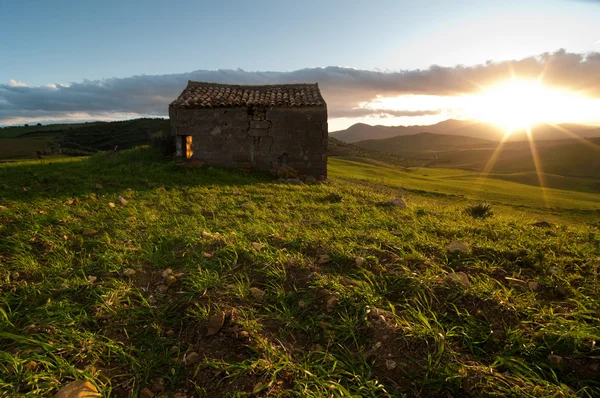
111	205
257	293
533	286
359	261
396	203
390	365
457	246
146	393
78	389
215	323
191	357
129	272
122	201
458	277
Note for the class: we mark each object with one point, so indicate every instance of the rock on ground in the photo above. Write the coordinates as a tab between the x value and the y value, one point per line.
456	246
458	278
78	389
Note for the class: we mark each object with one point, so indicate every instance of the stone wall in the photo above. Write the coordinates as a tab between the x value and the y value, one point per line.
263	139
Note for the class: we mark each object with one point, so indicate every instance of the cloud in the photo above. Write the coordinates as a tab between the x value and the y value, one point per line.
343	88
14	83
367	112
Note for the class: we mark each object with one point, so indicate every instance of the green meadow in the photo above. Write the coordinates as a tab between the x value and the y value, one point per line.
145	278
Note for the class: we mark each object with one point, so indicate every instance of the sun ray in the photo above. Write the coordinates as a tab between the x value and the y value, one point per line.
538	166
575	136
494	157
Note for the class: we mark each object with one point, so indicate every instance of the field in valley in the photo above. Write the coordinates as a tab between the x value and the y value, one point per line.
137	275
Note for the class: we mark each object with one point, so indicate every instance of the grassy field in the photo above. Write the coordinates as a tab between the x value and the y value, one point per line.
310	290
461	185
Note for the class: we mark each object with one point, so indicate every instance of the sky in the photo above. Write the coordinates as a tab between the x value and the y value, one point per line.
381	62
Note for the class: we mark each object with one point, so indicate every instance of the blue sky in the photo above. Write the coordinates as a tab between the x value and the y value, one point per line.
65	42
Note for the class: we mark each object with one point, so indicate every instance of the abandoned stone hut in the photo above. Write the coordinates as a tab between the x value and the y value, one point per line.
257	127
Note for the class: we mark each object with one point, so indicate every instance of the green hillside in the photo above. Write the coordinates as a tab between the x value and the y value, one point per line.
77	139
576	158
131	273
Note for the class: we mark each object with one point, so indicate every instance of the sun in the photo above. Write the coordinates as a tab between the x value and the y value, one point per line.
517	104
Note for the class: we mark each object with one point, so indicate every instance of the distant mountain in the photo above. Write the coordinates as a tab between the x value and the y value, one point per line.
424	141
487	131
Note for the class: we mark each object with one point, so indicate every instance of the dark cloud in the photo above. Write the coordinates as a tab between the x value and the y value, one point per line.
364	112
343	88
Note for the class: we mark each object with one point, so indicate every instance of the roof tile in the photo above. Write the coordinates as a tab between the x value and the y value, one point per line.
212	95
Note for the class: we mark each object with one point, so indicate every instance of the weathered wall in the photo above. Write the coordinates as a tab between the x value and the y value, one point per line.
231	137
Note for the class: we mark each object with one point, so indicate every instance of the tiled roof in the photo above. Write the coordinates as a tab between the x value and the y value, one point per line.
214	95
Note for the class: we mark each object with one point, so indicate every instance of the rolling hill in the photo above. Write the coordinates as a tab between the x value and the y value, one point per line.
487	131
572	157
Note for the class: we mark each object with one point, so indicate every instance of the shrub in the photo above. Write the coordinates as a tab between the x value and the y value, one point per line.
482	210
164	142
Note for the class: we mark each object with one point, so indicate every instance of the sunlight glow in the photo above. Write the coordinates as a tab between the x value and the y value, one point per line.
518	104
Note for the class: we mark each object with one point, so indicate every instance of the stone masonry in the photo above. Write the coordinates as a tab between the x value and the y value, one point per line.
258	127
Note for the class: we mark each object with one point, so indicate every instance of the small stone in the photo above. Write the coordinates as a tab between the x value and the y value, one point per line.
258	294
323	259
553	270
458	278
295	181
78	389
457	247
158	386
301	304
146	393
89	231
561	290
215	323
395	203
30	366
92	278
3	208
206	235
170	279
207	255
167	272
68	202
122	201
316	347
287	172
533	286
390	365
518	283
111	205
129	272
162	288
555	360
257	246
39	212
191	357
244	334
170	332
359	261
332	302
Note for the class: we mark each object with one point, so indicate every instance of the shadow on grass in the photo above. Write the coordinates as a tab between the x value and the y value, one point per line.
140	169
